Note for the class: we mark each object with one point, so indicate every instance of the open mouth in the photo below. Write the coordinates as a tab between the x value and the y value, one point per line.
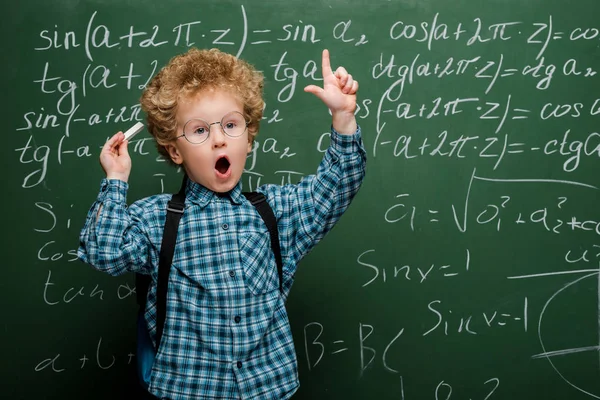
222	165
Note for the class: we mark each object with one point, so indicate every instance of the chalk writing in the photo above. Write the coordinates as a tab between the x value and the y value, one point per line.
478	215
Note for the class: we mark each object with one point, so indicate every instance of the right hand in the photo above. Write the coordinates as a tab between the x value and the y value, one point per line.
114	158
339	95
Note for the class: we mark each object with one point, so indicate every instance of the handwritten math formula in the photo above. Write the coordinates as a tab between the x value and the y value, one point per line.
476	227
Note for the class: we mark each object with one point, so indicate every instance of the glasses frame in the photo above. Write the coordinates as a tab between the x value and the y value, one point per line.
209	124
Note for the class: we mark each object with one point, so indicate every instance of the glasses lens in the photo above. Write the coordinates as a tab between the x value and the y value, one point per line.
233	124
196	130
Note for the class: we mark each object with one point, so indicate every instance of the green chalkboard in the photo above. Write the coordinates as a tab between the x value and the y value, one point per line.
467	266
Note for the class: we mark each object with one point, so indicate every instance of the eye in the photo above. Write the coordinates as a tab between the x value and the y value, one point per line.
200	130
230	125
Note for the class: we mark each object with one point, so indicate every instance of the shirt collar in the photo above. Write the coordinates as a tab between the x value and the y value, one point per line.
200	195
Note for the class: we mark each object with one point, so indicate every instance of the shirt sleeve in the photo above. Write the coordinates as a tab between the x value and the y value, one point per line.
114	240
308	210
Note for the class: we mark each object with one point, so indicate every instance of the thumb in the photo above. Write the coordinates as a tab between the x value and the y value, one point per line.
123	148
316	90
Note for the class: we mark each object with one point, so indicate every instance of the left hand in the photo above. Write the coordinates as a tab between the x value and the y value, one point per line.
114	158
338	91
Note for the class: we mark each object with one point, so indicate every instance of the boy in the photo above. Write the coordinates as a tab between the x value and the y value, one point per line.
226	333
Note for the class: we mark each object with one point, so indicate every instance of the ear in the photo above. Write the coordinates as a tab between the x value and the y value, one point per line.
174	153
251	136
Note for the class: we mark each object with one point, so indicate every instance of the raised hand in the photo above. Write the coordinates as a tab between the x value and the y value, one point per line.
339	95
115	159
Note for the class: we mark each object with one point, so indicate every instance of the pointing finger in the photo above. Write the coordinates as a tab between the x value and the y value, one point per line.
326	64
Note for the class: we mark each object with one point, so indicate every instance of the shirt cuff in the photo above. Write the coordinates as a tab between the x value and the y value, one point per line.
113	190
346	144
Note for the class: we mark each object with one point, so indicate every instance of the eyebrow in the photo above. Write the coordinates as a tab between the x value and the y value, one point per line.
219	120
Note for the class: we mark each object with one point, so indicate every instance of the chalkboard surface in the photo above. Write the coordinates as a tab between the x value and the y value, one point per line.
467	266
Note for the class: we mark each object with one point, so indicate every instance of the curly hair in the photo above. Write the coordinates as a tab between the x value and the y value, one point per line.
188	73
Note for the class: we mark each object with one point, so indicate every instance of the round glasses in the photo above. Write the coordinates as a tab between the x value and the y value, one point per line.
197	130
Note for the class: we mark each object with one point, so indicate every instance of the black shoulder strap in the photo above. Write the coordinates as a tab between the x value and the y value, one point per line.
175	209
259	201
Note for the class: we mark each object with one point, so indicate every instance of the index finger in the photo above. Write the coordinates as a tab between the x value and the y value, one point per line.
110	143
326	64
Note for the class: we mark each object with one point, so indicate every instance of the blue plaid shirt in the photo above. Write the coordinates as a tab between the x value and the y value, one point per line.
226	333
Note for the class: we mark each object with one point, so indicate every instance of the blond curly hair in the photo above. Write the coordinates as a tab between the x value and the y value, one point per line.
188	73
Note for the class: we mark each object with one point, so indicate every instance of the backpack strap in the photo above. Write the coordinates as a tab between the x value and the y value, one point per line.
175	208
259	201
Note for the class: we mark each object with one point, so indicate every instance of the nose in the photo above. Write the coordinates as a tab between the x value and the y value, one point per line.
217	136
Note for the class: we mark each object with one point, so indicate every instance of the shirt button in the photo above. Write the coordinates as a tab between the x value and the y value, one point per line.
237	319
225	227
232	273
239	364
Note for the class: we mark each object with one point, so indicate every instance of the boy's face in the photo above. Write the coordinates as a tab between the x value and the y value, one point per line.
219	161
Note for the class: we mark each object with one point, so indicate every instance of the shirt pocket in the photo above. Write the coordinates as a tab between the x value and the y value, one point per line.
198	270
258	262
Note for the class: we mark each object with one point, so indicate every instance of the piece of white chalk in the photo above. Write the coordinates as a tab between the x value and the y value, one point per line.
134	130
